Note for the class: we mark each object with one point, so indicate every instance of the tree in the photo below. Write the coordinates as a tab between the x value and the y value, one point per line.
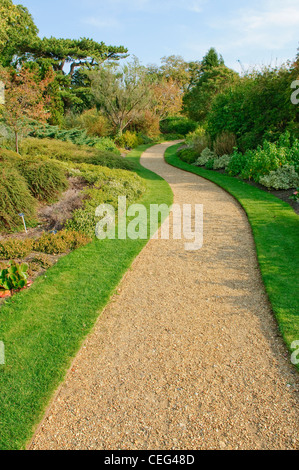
71	53
20	30
120	93
211	60
198	101
8	14
167	98
176	69
25	99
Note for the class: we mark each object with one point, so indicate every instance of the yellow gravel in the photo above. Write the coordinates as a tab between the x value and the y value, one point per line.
187	355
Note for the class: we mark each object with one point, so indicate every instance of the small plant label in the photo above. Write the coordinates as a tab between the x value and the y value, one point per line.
2	353
2	96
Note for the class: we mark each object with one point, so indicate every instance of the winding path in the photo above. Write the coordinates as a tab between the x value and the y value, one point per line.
187	355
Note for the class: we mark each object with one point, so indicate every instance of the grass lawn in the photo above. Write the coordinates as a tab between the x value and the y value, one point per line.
275	229
43	328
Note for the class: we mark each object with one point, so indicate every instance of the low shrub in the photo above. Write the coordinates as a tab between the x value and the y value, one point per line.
236	164
284	177
68	152
177	125
129	140
205	156
210	164
14	248
60	242
15	198
83	221
46	180
198	140
221	162
187	155
75	136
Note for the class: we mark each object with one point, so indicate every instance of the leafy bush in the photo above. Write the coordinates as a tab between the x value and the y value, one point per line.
284	177
221	162
15	198
263	160
169	137
94	123
84	221
256	108
177	125
46	180
210	164
129	140
187	155
13	248
108	145
14	277
205	156
61	242
198	140
108	186
236	164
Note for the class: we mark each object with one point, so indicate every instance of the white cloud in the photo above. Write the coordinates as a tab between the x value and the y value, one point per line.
272	25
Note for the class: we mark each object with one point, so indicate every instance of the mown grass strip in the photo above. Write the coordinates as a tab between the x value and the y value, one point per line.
43	328
275	228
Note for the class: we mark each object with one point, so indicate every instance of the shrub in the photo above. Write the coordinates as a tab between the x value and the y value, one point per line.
75	136
224	143
205	156
147	123
61	242
284	177
14	248
177	125
263	160
108	186
198	140
84	221
236	164
210	164
68	152
46	180
257	107
129	140
108	145
187	155
94	123
15	198
221	162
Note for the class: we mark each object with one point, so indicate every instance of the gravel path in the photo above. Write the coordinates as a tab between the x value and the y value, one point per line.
187	355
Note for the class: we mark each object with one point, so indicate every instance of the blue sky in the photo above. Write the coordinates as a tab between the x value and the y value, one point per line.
255	32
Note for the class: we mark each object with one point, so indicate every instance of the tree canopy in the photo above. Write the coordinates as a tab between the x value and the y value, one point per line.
73	53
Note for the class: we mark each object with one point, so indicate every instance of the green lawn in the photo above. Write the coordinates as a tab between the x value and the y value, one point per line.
43	328
275	229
